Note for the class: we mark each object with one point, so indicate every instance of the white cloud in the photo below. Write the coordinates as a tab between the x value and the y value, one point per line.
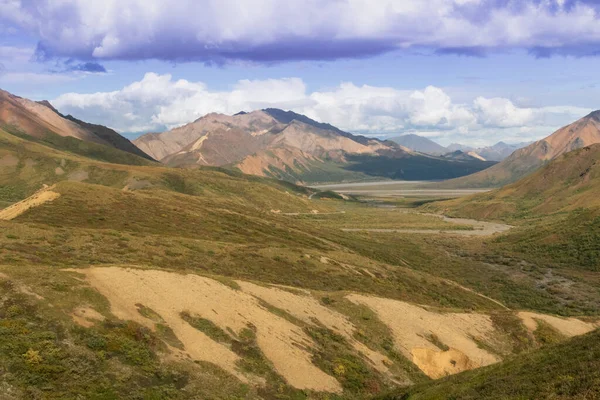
159	102
501	113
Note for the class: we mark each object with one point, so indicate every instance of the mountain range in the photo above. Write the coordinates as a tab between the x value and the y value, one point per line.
291	146
496	152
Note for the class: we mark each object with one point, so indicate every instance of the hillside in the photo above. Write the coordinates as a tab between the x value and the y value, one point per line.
569	370
26	164
420	144
569	183
581	133
290	146
556	206
43	122
100	271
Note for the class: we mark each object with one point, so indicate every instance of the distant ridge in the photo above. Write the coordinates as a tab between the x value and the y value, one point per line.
420	144
581	133
496	152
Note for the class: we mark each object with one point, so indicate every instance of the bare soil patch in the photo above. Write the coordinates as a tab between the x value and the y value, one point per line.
43	196
309	310
567	326
412	327
170	294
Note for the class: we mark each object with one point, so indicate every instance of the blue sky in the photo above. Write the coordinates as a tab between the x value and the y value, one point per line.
471	71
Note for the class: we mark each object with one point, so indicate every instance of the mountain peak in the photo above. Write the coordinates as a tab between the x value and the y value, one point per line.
420	144
594	115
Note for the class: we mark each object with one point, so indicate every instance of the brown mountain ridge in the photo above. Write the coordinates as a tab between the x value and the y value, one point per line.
583	132
41	119
291	146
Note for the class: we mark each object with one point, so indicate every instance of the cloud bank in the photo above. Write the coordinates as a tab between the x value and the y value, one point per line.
158	102
264	31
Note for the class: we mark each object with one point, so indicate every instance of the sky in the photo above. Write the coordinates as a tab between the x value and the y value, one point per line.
467	71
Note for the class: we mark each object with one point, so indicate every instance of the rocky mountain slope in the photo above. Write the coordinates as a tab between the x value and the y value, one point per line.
254	141
581	133
41	120
286	145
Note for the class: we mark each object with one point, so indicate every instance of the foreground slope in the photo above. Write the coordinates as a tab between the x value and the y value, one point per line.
522	162
42	121
286	145
570	370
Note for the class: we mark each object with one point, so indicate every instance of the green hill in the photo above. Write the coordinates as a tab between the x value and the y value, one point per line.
569	183
556	208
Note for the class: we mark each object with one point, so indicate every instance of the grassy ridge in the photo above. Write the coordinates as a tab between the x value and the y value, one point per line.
75	146
557	208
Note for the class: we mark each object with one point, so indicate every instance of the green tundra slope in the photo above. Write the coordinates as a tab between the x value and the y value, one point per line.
557	208
122	281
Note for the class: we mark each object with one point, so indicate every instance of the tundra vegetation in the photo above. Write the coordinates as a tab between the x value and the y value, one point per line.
62	337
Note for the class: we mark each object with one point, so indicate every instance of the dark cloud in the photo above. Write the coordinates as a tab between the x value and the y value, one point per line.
271	31
87	67
479	52
583	50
